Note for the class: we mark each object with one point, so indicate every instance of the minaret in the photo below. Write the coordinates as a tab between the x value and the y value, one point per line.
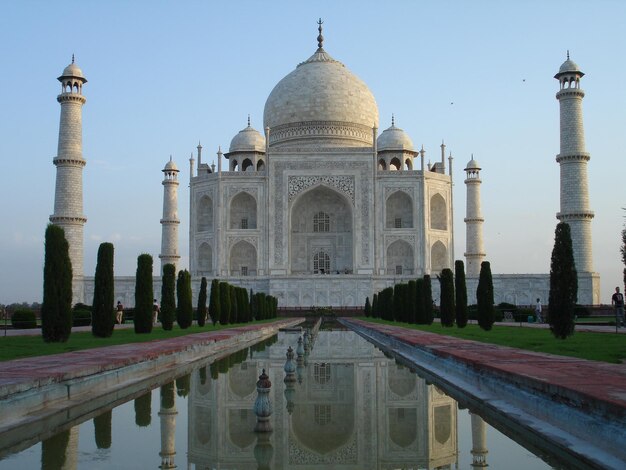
572	160
474	248
479	442
169	237
68	193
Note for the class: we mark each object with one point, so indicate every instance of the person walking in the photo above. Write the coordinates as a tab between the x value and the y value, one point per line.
538	311
618	304
119	312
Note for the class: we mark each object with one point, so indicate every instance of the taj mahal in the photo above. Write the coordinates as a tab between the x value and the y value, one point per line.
322	208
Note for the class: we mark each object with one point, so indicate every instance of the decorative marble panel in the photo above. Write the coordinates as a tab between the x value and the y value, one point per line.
343	184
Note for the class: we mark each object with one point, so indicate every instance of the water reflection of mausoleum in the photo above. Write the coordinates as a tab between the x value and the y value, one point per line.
352	407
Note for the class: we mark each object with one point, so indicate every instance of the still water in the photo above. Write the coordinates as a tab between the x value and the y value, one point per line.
352	407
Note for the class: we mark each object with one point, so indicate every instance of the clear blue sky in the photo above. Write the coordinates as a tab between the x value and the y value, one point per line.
165	75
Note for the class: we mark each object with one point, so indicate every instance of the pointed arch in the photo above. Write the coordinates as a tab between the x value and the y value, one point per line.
260	165
247	165
243	259
395	164
438	213
399	210
438	257
205	258
204	221
382	165
243	211
399	258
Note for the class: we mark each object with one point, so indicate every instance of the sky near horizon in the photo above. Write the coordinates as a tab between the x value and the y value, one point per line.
163	76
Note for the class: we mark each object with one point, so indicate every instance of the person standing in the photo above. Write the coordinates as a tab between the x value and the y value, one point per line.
618	304
120	312
155	312
538	311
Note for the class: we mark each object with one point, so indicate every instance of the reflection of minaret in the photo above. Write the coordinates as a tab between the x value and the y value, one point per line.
167	416
479	442
169	238
474	248
68	192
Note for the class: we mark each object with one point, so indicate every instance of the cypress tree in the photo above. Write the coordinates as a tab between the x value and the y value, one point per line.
246	305
168	297
460	291
411	302
429	315
385	299
446	283
202	310
234	307
398	308
253	306
102	314
375	312
420	303
484	297
224	303
184	310
144	295
56	309
367	310
214	303
563	284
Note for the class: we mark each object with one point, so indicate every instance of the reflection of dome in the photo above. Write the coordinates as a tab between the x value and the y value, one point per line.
247	140
394	138
321	98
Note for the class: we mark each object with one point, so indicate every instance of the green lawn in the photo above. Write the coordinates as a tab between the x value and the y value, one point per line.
15	347
605	347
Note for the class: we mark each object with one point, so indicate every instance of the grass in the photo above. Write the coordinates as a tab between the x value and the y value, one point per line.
604	347
16	347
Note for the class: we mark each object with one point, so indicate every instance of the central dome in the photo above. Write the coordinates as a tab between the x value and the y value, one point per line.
321	103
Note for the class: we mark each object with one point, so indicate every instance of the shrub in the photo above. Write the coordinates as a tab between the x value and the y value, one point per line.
81	318
202	310
184	310
103	294
56	310
144	295
168	297
24	318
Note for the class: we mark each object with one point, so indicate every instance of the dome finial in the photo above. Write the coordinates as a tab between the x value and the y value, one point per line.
393	120
72	58
248	120
568	54
320	38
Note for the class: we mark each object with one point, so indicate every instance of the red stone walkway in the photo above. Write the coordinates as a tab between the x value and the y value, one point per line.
564	377
23	374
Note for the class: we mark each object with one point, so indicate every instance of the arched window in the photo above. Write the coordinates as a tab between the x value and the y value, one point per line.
205	214
205	258
321	222
321	263
395	164
247	165
260	166
321	372
438	213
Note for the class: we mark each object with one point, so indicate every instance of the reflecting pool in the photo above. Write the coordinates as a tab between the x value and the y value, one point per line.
350	407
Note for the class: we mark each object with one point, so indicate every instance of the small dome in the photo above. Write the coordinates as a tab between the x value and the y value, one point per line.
73	71
472	165
569	66
170	166
394	138
247	140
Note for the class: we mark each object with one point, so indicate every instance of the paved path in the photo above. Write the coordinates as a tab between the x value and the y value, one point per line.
570	378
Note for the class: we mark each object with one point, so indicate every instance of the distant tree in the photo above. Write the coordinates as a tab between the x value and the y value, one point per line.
102	429
460	291
367	310
446	308
411	300
102	313
56	310
429	313
202	310
484	297
184	310
224	304
144	295
214	303
420	303
168	297
563	284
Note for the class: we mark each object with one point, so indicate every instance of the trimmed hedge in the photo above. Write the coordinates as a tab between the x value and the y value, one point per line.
81	318
24	318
